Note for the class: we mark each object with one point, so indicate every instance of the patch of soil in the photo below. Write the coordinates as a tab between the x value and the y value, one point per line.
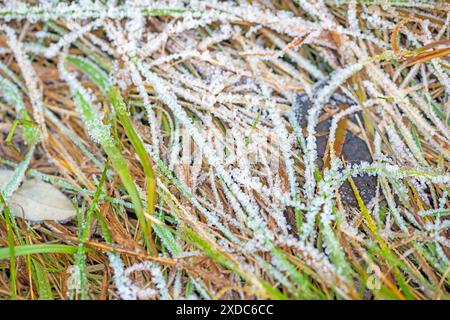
354	150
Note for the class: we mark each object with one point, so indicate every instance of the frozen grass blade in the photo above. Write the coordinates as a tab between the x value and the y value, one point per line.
113	95
84	230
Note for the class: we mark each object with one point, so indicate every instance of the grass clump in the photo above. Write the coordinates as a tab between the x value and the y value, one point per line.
190	140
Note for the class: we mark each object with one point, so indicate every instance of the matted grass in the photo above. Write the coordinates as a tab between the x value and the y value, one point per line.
175	130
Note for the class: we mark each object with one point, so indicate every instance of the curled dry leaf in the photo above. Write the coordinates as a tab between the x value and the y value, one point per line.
36	200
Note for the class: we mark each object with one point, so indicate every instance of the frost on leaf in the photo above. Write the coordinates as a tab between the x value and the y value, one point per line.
36	201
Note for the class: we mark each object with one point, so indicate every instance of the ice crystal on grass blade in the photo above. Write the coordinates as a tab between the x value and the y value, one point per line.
31	79
255	222
157	277
11	94
97	129
127	289
84	9
17	177
67	39
124	286
74	279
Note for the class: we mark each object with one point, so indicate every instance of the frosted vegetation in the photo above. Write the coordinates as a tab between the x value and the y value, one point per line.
173	128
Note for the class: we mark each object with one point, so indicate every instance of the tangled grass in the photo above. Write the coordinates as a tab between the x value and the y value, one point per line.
173	128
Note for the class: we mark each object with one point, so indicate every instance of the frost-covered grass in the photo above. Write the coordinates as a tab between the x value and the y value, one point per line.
172	127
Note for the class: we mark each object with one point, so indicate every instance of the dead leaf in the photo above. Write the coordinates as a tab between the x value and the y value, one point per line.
4	176
36	200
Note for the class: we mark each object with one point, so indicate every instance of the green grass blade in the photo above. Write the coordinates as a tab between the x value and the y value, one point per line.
43	283
10	251
100	78
24	250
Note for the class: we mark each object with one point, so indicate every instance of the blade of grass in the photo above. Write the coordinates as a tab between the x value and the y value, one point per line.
113	94
387	253
11	249
117	161
268	290
24	250
43	283
84	235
